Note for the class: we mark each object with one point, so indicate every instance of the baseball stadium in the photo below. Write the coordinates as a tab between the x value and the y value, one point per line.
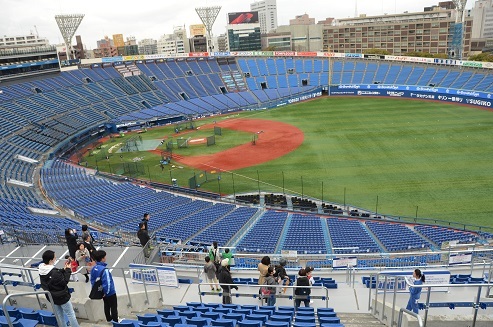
361	167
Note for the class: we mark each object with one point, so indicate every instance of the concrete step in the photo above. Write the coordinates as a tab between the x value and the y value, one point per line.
359	320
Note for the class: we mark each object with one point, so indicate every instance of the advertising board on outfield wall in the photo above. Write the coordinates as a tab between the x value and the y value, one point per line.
449	62
415	92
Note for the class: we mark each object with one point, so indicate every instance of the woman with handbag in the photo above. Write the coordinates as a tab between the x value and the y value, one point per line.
84	259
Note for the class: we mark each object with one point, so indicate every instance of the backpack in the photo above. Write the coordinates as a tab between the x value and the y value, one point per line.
97	292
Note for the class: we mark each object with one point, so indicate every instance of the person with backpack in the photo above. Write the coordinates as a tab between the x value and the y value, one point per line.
55	281
415	292
99	271
302	293
269	290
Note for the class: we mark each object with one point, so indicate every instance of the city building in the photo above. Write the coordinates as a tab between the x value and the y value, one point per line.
267	13
174	43
147	46
105	48
483	19
277	41
26	54
29	41
430	32
302	20
131	40
327	21
118	40
222	43
198	43
79	48
197	30
304	37
243	31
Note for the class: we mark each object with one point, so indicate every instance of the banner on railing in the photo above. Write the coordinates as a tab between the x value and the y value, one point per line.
350	262
460	258
435	277
153	275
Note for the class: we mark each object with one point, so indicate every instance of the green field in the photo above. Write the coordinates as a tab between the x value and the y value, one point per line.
429	157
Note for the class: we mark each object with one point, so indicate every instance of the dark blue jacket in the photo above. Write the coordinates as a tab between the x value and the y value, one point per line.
106	278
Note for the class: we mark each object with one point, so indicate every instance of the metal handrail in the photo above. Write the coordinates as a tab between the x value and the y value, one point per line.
429	287
293	287
130	305
415	315
6	312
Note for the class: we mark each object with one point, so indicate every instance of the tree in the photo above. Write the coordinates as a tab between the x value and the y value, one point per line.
377	52
482	57
418	54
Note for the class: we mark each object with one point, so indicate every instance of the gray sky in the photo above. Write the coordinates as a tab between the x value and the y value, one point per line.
151	19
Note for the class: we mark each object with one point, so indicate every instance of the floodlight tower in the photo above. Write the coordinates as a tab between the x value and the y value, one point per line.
208	16
457	48
68	25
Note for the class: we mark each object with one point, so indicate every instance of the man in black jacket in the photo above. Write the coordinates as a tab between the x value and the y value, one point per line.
55	281
224	277
144	238
302	293
145	220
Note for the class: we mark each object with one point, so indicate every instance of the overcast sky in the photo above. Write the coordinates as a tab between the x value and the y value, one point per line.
151	19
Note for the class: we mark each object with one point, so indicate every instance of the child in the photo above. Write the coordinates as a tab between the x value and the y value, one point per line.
308	271
73	267
269	291
210	273
109	299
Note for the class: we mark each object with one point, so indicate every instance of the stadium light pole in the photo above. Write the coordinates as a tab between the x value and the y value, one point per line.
416	213
68	25
208	16
322	192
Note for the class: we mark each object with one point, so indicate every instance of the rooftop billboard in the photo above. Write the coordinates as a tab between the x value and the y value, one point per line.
245	17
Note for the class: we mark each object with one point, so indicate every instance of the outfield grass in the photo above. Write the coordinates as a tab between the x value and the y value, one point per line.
434	157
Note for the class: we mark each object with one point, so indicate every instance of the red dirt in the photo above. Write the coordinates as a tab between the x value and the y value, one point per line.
276	140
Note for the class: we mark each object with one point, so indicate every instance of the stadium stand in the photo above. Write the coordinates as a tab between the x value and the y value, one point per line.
41	113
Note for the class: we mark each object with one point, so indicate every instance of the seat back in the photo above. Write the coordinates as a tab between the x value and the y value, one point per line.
223	323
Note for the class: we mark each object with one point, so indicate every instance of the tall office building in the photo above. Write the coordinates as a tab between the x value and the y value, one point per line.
267	14
174	43
147	46
482	14
430	32
243	31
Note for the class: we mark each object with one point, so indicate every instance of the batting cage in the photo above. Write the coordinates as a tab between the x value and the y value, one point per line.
198	179
182	142
131	169
132	144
